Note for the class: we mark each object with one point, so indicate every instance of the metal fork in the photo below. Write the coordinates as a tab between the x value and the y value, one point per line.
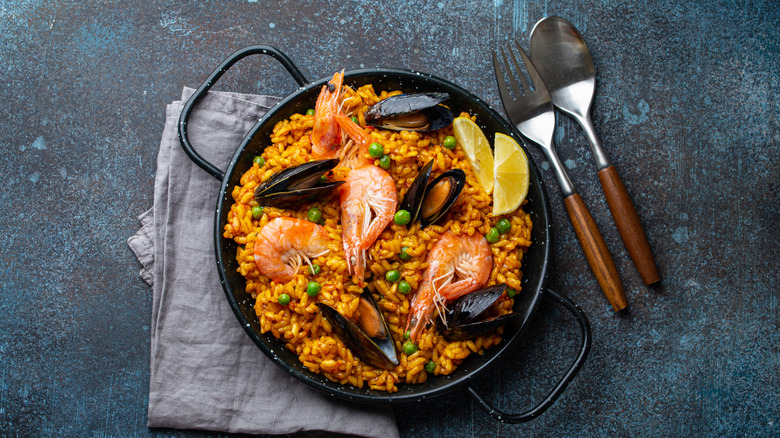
532	112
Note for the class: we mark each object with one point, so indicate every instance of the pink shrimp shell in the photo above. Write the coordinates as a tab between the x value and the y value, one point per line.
285	243
467	257
367	190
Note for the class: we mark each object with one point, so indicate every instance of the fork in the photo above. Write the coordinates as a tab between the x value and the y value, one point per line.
531	111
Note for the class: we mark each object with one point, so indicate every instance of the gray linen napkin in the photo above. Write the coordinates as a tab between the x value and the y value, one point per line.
205	371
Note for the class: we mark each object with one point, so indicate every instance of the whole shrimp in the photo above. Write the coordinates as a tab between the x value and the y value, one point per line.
284	243
368	202
325	134
457	265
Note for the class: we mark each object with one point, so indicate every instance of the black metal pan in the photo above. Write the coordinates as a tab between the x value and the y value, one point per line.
536	264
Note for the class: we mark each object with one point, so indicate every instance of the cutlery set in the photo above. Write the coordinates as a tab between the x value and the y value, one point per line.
562	76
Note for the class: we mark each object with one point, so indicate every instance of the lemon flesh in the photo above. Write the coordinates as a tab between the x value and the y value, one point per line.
477	148
511	175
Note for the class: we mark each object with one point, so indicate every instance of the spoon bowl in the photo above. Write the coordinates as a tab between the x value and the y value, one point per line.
560	55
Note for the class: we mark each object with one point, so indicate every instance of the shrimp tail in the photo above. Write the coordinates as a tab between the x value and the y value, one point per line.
422	305
417	321
356	262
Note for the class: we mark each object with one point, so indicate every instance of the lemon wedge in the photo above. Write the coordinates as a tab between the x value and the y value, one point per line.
473	141
511	175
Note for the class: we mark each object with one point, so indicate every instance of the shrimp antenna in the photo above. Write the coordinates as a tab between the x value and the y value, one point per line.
438	299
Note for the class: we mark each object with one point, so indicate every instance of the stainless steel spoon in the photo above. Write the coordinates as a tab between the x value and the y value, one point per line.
564	63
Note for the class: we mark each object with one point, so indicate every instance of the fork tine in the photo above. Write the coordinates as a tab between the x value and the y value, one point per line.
518	91
532	73
503	91
518	69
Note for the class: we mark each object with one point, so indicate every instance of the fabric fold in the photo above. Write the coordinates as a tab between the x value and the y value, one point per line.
205	372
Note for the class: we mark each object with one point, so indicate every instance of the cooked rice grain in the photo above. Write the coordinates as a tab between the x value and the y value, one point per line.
300	324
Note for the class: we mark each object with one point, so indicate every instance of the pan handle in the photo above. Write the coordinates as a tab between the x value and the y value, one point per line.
206	85
522	417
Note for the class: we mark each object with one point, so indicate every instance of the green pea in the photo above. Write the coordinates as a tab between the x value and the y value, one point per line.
410	347
402	217
449	142
314	269
314	214
510	292
323	179
385	161
492	235
310	112
503	226
403	255
407	334
393	276
284	299
313	289
354	120
376	150
260	161
430	367
257	212
404	287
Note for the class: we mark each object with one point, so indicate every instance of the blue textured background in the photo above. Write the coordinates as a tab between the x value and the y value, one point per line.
687	105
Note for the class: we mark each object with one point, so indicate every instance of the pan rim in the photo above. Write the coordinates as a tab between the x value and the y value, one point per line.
348	392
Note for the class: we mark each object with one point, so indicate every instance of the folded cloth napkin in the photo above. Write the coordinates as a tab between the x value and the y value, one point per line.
205	371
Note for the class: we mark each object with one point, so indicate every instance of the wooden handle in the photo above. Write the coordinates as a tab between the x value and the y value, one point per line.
627	222
596	251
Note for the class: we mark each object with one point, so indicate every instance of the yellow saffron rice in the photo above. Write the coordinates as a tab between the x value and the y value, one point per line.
300	324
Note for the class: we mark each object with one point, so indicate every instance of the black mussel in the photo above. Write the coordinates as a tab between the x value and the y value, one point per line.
370	338
428	202
411	112
440	195
477	328
413	197
297	185
469	316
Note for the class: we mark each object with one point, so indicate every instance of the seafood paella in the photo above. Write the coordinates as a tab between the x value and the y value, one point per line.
369	245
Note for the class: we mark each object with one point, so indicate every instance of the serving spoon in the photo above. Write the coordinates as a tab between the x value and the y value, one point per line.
562	59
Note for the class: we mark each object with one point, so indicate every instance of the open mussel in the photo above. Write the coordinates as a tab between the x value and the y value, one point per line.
440	195
297	185
470	315
370	338
411	112
412	201
428	202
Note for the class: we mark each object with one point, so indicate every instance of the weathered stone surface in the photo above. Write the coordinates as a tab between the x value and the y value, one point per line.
687	104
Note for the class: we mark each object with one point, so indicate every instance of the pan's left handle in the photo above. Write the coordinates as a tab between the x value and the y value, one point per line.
206	85
523	417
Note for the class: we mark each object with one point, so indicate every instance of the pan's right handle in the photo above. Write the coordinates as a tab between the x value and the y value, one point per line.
206	85
523	417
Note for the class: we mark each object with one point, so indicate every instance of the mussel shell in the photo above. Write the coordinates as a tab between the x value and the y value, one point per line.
477	328
457	178
471	306
375	351
402	104
298	197
296	185
386	113
414	195
467	316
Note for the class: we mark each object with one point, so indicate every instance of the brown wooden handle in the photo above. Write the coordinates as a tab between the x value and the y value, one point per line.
628	224
596	251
